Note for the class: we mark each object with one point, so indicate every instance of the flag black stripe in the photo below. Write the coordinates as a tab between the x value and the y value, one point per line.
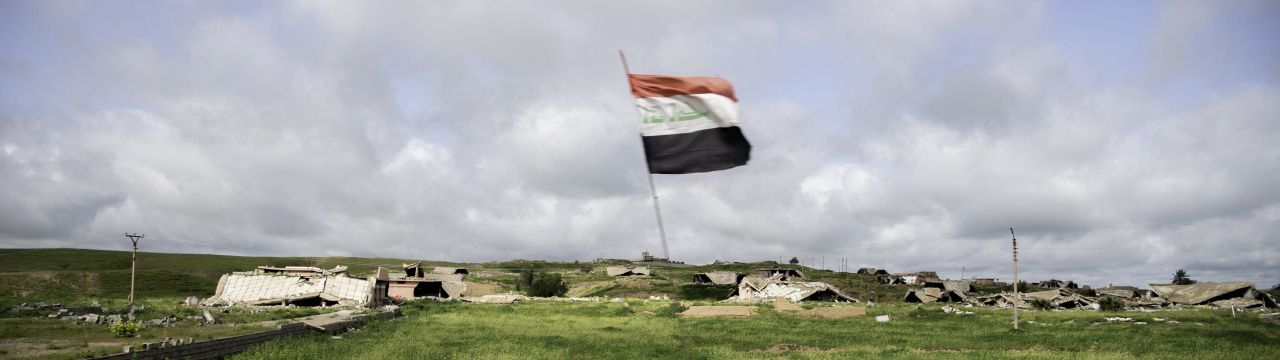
699	151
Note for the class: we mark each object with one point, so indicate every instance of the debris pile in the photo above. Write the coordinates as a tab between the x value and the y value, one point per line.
1058	299
1237	295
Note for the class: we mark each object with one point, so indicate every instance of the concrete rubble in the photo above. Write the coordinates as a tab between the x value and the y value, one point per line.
627	271
940	291
496	299
757	289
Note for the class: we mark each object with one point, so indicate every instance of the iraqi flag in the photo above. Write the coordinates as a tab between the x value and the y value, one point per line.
689	124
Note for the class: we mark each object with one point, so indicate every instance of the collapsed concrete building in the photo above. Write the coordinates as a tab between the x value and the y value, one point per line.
450	270
1057	298
782	274
627	271
940	291
311	286
1057	284
872	271
1123	292
916	278
444	283
757	289
718	278
928	295
1235	294
296	287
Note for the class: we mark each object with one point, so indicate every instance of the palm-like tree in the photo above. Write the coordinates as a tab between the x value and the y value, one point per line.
1180	277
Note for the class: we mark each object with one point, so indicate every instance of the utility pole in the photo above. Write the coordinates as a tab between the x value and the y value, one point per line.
133	270
961	273
1016	299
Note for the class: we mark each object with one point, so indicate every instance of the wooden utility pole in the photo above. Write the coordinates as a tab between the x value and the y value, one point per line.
1016	299
133	270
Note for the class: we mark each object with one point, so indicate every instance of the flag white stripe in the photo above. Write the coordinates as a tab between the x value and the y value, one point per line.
682	114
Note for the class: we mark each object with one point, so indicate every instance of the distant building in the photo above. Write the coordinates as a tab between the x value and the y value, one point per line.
1057	284
872	271
646	257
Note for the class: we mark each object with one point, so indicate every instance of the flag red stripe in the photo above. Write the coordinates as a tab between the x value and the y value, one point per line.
645	86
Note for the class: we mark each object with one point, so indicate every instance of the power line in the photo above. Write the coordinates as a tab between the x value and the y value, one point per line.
1217	225
1155	246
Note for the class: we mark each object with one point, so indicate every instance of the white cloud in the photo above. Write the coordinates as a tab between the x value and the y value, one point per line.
900	135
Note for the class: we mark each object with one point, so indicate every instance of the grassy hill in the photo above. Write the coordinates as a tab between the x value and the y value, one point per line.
69	275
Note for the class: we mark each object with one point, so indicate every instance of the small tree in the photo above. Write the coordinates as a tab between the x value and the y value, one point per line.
794	260
525	280
1181	277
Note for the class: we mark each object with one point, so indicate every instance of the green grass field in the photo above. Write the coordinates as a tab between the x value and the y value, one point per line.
552	330
561	330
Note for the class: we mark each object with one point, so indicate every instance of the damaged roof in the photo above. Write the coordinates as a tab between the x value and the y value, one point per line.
1203	293
265	289
626	270
449	270
757	288
717	277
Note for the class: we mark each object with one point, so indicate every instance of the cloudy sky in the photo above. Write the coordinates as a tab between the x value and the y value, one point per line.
1122	140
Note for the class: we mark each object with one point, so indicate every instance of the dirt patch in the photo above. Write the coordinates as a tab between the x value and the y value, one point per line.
785	305
638	284
584	288
27	348
719	311
478	289
783	348
841	312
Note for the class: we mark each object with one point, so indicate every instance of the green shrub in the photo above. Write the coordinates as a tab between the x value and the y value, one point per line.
125	329
544	285
1111	303
1041	304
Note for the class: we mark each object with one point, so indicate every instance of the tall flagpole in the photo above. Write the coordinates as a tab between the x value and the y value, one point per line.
653	190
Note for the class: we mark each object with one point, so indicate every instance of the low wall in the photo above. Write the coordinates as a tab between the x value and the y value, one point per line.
217	348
